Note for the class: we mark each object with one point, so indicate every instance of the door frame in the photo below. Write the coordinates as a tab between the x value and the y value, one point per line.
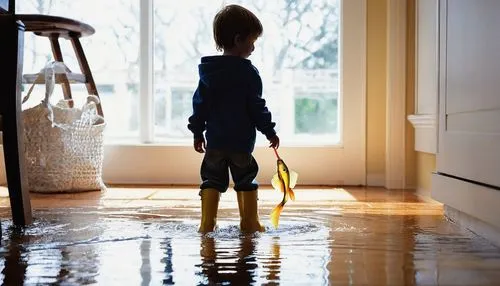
395	159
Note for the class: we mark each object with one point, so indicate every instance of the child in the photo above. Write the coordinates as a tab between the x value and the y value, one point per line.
228	105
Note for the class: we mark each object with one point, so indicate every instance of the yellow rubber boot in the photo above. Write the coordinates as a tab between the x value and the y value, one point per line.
249	216
209	206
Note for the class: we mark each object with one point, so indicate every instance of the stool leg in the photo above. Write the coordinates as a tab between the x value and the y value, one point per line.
84	66
13	128
56	51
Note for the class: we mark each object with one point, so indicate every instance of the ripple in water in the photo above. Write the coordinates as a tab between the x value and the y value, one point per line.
78	247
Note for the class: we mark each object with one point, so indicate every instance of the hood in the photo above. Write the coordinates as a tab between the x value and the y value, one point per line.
222	71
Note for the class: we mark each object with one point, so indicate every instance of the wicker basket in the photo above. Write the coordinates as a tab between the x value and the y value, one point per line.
64	146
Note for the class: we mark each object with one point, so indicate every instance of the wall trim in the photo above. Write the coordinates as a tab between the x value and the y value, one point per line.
396	95
423	120
425	195
426	132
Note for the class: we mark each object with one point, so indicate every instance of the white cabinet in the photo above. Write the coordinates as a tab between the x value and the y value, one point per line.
468	157
469	91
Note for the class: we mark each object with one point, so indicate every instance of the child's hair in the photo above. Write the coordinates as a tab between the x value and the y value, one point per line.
234	20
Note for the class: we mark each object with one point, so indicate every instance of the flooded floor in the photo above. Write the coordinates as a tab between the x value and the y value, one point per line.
149	236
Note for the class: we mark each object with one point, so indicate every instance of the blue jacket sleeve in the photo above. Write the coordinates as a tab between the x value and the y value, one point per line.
258	110
197	121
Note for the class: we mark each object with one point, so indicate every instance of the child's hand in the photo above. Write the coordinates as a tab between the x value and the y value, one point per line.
274	142
199	145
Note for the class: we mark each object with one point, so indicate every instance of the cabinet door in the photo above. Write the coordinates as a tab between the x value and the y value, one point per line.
469	99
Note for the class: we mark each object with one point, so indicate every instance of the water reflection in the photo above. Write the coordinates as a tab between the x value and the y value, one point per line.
145	250
15	262
77	247
273	264
51	251
79	264
375	250
167	261
224	263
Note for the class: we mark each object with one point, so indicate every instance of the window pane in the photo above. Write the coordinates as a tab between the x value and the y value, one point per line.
297	57
112	53
178	47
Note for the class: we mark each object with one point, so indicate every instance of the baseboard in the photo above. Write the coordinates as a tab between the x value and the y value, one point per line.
473	224
375	180
425	195
471	205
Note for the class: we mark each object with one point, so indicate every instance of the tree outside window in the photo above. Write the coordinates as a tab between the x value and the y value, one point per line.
297	57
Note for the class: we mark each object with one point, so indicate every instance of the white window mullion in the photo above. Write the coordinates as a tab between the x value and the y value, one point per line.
146	72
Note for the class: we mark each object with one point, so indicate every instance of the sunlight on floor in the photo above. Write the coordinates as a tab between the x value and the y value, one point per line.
345	200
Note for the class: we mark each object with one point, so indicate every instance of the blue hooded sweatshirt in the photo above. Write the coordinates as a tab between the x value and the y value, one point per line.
228	105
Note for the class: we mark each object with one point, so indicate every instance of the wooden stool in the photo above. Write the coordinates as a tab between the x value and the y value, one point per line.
11	123
12	32
54	27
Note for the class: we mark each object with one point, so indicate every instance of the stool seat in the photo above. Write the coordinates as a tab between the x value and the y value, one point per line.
47	26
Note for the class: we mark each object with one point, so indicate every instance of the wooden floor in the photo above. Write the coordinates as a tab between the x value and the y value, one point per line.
353	199
343	236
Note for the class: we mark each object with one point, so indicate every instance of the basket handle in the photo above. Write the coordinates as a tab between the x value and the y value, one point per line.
48	73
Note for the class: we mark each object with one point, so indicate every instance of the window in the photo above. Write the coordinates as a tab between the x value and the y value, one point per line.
112	52
297	57
144	57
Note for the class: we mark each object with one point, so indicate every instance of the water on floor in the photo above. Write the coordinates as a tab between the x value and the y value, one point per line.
326	237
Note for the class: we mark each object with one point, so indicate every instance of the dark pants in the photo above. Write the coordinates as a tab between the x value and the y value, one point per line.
217	164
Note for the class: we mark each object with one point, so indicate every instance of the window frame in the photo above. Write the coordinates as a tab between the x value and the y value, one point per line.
151	162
